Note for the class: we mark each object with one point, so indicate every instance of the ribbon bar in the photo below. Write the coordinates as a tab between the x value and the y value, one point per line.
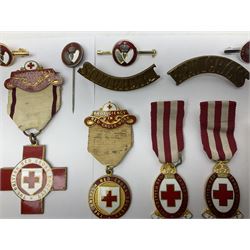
217	122
167	130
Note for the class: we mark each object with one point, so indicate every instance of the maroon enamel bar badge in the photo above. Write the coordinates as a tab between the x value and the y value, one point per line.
125	53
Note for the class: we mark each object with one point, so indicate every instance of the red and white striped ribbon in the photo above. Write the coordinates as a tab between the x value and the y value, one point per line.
167	130
217	121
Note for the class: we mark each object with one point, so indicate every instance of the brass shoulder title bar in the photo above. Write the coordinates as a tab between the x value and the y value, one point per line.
118	83
223	66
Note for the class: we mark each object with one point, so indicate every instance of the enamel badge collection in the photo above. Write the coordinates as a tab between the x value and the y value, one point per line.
110	138
34	98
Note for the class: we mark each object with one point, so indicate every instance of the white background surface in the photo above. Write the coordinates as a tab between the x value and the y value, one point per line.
66	135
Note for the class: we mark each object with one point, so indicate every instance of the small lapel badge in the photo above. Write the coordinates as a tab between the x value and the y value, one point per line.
244	52
125	53
7	56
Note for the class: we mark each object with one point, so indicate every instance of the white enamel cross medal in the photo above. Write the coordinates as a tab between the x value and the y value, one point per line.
169	191
110	138
222	193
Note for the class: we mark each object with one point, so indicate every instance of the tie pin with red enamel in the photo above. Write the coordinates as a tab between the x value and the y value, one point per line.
125	53
244	52
7	56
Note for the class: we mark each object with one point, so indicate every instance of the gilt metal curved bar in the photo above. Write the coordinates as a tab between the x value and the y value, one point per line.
223	66
104	80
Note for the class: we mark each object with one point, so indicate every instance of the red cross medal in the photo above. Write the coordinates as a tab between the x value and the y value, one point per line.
34	98
217	121
110	138
170	191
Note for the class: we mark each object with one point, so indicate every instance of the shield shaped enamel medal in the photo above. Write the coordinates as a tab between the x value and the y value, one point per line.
109	197
110	138
31	180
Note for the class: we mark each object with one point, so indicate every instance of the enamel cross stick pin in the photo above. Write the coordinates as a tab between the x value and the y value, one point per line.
72	55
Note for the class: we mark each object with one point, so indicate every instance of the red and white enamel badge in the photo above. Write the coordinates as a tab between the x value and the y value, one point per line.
109	197
32	184
34	97
7	56
110	138
170	191
222	193
33	179
170	194
124	53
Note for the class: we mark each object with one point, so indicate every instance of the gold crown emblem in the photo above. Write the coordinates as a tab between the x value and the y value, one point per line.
221	169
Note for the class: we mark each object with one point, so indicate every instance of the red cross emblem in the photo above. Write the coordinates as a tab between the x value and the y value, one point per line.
170	195
109	199
110	106
31	65
223	195
31	179
58	182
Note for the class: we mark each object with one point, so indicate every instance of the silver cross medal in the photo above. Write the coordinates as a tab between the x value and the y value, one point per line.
72	55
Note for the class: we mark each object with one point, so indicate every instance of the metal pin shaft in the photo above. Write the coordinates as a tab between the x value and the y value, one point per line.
142	52
231	50
148	52
20	52
73	91
102	52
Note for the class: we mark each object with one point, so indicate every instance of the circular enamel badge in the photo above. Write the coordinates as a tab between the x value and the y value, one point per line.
72	54
31	65
32	179
109	197
124	53
244	53
222	195
6	56
170	196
